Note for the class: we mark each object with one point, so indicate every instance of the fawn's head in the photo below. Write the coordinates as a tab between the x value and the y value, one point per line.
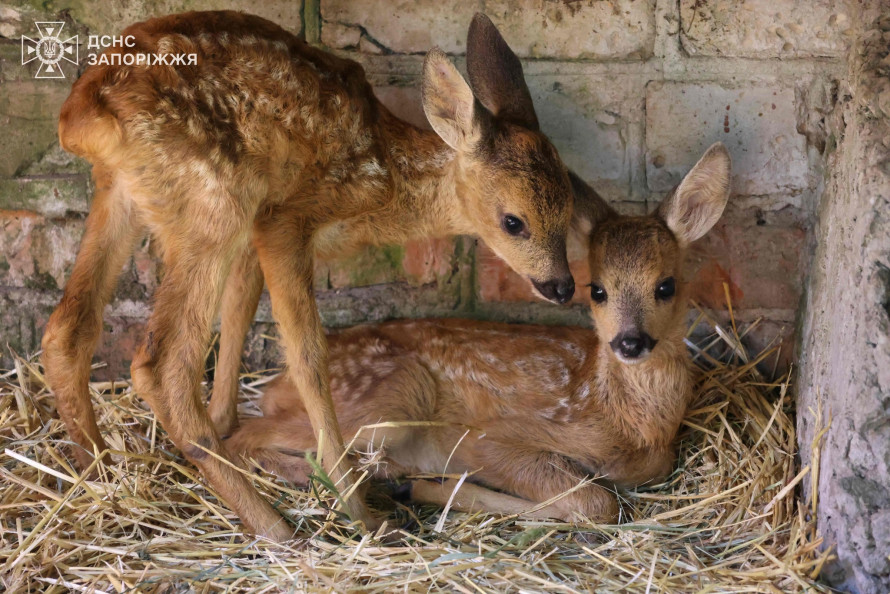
637	293
514	190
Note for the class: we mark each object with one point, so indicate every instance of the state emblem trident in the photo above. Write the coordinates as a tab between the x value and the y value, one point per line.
50	49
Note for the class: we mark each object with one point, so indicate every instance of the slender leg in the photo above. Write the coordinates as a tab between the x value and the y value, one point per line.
288	271
239	303
76	325
536	476
475	498
168	368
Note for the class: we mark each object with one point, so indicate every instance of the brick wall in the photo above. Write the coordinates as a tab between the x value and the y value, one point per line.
630	91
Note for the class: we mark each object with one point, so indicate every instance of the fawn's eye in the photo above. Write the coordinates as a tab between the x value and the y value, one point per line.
513	225
597	293
665	289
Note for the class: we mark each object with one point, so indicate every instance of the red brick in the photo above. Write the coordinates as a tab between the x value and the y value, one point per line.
761	263
417	263
427	260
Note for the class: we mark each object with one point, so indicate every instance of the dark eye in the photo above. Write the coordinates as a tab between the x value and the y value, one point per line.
666	289
597	293
513	225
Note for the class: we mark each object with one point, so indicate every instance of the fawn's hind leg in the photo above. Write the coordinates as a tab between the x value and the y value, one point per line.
76	324
168	367
239	303
476	498
508	462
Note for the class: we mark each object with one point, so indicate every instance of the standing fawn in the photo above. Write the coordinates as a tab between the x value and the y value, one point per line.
245	165
528	410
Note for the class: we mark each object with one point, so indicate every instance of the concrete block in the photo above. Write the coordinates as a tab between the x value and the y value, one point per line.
765	28
758	125
49	196
534	28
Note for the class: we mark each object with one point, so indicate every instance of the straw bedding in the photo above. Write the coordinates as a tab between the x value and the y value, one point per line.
729	519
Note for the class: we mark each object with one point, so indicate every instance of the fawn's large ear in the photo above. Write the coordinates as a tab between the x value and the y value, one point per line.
589	208
698	201
496	74
448	102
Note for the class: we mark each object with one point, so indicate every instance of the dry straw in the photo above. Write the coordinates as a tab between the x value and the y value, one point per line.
729	519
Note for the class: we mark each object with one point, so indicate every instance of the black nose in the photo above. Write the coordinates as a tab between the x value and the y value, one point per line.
631	345
560	290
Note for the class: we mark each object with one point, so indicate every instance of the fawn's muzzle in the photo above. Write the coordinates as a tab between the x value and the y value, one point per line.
559	291
633	346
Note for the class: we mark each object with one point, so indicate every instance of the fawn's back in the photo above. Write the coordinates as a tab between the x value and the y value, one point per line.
261	110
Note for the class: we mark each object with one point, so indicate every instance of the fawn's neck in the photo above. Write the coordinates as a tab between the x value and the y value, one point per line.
426	193
648	399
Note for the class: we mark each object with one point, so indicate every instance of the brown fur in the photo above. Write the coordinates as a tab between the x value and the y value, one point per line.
530	410
262	154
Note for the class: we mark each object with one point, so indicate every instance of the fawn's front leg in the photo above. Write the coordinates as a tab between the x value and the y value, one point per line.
287	265
239	303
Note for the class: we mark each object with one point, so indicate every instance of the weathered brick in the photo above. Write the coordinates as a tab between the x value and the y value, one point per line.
50	196
17	18
341	36
759	255
765	28
23	315
29	111
533	28
757	124
34	252
416	263
109	18
592	122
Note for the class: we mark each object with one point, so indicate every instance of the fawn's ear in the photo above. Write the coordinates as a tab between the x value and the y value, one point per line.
698	201
448	102
589	208
496	75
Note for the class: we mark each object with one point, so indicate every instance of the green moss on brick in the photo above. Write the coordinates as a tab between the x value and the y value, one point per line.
377	265
42	281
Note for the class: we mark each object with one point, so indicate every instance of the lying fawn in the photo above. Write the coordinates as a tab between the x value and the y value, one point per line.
264	152
529	410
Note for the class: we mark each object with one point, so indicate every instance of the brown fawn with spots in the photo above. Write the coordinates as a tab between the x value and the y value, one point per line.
243	167
527	410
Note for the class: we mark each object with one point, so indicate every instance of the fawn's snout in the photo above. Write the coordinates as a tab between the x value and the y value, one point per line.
559	290
633	346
